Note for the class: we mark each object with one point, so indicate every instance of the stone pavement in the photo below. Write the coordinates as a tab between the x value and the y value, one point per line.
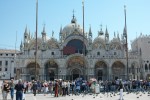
109	96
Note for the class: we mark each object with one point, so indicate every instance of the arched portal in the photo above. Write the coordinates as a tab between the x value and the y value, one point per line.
31	70
118	70
76	67
51	70
101	70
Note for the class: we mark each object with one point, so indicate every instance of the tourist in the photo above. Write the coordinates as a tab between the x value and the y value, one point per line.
45	84
121	90
56	88
12	87
19	90
34	87
5	90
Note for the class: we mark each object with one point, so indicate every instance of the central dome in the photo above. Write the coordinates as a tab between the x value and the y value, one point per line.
72	28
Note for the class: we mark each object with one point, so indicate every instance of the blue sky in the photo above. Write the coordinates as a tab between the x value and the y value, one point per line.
15	15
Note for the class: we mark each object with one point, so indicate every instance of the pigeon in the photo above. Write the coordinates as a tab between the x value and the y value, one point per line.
141	95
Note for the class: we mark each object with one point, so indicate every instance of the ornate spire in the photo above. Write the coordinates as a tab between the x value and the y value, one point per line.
73	18
106	32
101	31
118	35
21	46
52	34
26	30
114	35
90	31
44	33
44	28
60	33
29	35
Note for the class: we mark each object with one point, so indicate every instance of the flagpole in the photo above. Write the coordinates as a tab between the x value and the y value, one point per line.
36	40
83	37
126	43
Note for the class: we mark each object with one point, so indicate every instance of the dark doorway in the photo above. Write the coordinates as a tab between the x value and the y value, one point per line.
51	75
75	76
32	78
100	75
51	70
116	77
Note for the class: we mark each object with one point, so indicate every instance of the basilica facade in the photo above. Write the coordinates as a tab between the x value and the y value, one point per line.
77	54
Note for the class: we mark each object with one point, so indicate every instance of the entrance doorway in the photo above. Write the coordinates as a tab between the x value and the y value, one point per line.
51	75
100	75
75	74
116	77
32	78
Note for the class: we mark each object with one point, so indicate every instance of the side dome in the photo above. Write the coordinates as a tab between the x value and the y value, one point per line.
99	41
100	37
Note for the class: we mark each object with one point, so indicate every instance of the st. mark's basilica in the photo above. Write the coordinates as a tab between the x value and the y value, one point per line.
77	54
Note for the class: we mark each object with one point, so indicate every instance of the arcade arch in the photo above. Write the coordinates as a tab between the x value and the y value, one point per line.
118	70
101	70
31	70
51	70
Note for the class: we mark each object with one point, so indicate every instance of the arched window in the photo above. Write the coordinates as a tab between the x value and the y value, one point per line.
132	70
98	53
146	68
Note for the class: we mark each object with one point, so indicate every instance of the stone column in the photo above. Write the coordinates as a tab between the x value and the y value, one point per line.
12	69
126	70
109	72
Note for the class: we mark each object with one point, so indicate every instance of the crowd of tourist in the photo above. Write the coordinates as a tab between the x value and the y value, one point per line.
60	87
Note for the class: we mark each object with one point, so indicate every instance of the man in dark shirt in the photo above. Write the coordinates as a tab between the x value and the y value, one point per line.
19	90
34	87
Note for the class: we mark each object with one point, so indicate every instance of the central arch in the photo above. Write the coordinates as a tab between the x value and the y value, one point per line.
75	67
118	70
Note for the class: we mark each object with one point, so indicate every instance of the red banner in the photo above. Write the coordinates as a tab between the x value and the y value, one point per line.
69	50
